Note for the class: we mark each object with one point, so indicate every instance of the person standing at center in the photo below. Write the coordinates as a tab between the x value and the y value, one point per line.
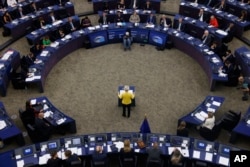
126	98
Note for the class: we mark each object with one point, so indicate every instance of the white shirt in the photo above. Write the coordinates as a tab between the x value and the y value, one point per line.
209	123
11	2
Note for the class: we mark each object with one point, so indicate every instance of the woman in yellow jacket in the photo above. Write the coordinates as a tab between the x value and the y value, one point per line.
126	98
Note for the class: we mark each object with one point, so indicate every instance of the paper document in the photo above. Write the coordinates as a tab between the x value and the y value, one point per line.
122	91
211	110
209	156
196	154
224	161
198	116
203	114
43	159
33	101
216	103
20	163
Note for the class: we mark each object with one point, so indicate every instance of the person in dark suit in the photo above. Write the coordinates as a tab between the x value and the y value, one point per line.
206	38
134	4
147	6
221	5
243	16
126	152
151	19
44	130
180	26
154	153
118	18
103	19
215	48
202	16
165	22
36	49
99	155
85	22
70	158
28	116
33	7
20	13
230	29
54	161
52	18
229	57
70	25
182	129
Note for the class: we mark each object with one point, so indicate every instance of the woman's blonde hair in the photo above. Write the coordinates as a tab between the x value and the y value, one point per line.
176	157
127	147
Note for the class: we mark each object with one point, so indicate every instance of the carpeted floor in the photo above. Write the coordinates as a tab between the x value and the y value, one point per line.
169	84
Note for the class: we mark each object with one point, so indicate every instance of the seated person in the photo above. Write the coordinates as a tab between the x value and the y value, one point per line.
245	1
243	84
103	19
118	18
182	130
46	41
151	20
121	5
165	22
154	153
41	22
213	22
135	4
105	7
180	26
70	158
6	17
176	157
202	16
85	22
127	152
54	161
70	25
43	129
20	13
243	16
28	116
27	61
206	38
215	48
232	71
99	155
33	7
134	18
52	18
36	49
229	57
221	5
127	40
58	34
11	3
209	121
230	29
148	6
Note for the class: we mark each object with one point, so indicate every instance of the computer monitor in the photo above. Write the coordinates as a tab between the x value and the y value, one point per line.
201	145
100	139
27	151
52	145
126	136
76	141
151	138
176	140
225	150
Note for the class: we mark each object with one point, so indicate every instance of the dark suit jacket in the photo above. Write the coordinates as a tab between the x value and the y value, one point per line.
132	3
118	19
101	20
208	40
230	34
70	159
151	20
50	19
99	157
176	26
124	155
168	21
43	130
54	162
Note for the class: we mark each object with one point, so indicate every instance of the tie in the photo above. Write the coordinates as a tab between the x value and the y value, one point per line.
21	14
53	18
104	20
179	28
72	26
201	17
228	29
204	40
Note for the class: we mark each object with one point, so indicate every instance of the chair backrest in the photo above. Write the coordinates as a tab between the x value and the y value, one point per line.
154	163
76	164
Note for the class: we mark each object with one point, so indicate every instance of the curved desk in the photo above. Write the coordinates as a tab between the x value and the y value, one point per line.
224	18
104	34
9	62
52	115
8	129
18	26
192	149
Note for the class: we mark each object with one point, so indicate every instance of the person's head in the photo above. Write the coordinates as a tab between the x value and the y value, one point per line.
41	115
127	147
67	153
201	10
206	32
20	9
70	19
98	149
176	156
212	17
155	145
51	13
148	2
214	44
46	37
182	125
210	114
241	79
53	154
231	25
135	13
122	1
104	14
126	87
228	52
180	20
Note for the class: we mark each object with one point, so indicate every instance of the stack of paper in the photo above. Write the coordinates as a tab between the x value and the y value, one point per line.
2	124
224	161
216	103
199	116
44	53
210	109
215	60
209	156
